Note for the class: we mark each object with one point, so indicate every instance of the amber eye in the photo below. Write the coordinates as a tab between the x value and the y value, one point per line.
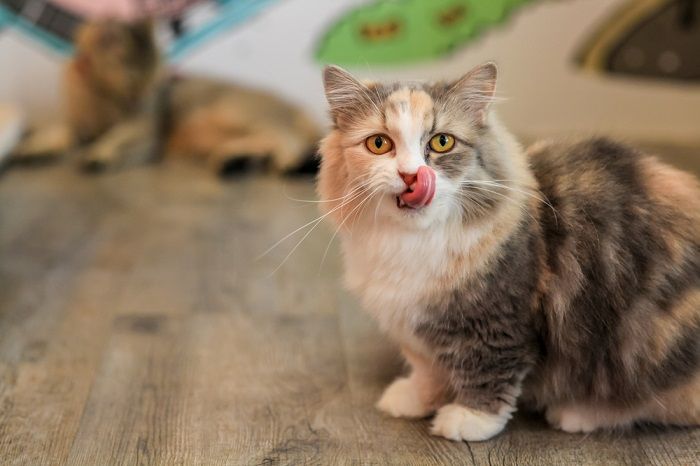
442	143
379	144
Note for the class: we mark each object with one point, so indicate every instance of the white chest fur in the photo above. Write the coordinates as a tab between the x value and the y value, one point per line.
397	272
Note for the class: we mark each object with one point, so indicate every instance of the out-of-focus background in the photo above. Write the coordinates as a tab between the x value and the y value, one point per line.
538	44
163	315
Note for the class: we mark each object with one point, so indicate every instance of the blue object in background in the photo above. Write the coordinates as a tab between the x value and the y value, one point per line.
49	24
53	26
230	13
4	19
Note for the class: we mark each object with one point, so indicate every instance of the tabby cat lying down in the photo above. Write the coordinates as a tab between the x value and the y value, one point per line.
565	277
123	109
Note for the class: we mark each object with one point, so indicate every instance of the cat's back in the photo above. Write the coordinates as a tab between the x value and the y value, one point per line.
622	245
601	183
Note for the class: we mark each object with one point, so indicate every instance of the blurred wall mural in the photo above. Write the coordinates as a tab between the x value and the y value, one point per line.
650	38
644	54
391	31
191	22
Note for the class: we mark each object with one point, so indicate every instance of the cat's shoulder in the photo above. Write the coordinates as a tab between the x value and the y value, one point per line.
600	160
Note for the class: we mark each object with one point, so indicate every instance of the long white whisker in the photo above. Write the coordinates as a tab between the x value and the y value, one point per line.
316	220
325	253
493	184
506	198
474	202
476	198
316	201
500	185
293	249
363	208
376	209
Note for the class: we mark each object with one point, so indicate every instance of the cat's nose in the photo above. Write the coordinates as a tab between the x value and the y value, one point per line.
408	178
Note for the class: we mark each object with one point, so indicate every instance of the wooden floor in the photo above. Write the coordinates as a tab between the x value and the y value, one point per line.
137	327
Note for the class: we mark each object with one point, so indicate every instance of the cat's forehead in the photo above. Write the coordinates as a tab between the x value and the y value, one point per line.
408	104
404	100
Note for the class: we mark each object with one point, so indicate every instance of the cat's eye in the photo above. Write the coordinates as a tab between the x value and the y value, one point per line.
442	142
379	144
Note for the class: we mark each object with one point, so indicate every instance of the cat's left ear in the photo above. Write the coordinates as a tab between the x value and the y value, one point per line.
477	89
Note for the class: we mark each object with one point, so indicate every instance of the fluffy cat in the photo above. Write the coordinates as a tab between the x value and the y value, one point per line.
123	109
565	277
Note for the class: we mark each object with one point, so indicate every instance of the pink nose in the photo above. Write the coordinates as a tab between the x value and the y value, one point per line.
408	178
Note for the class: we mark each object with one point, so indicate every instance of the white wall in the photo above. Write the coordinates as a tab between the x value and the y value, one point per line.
29	76
546	94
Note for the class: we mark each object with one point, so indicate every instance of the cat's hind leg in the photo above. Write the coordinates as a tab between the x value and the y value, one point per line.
577	418
679	406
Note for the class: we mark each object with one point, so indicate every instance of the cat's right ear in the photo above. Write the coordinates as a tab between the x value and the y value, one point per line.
346	95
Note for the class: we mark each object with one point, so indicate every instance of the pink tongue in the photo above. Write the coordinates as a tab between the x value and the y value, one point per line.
423	190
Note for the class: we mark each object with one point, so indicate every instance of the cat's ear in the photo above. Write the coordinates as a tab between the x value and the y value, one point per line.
477	89
346	96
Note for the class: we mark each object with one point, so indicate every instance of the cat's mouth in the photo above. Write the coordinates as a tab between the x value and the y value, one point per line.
421	192
401	204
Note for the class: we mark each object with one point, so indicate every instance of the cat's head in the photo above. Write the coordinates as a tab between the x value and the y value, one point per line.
116	57
415	153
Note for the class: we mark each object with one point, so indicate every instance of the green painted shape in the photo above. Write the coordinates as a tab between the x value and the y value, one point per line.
401	31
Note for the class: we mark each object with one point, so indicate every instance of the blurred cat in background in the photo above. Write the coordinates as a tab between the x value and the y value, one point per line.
565	277
122	108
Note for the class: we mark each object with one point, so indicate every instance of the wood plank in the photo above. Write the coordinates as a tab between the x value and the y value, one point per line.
264	353
37	273
138	325
136	386
134	414
52	351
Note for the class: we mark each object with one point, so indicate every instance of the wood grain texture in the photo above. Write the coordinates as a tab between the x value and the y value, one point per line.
139	326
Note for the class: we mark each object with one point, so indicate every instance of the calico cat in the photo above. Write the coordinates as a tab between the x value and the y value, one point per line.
565	277
123	109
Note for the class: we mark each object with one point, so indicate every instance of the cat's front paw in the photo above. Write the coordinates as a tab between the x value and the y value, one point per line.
457	422
402	399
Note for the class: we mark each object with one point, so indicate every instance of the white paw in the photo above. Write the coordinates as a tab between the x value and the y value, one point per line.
401	399
570	420
457	422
